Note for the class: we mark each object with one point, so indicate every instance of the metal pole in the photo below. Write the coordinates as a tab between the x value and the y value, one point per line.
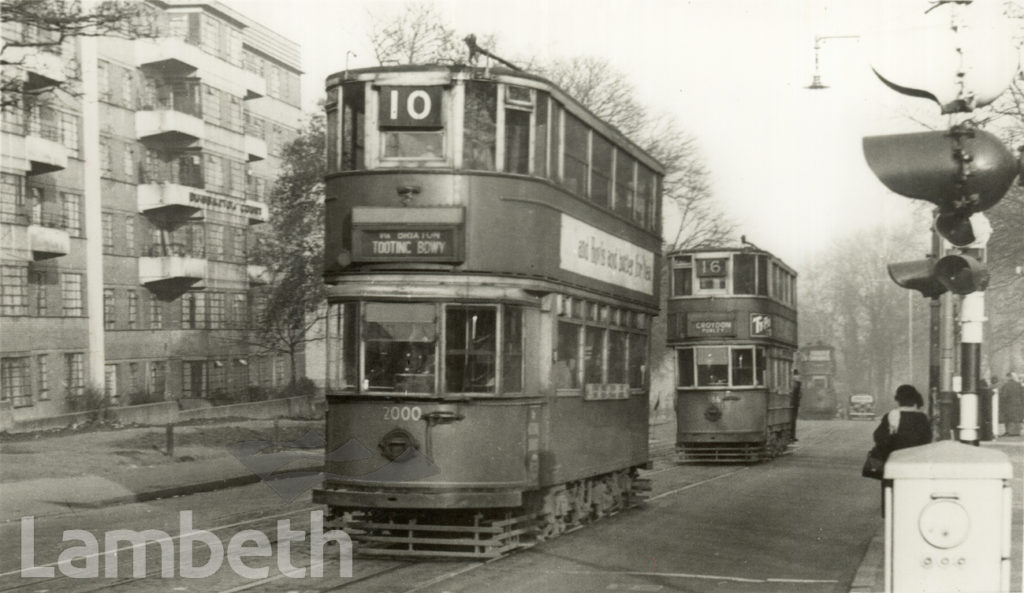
972	316
910	335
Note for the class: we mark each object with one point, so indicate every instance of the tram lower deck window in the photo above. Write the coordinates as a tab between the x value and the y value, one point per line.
720	366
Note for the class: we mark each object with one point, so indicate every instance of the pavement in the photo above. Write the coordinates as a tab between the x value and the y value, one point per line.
47	474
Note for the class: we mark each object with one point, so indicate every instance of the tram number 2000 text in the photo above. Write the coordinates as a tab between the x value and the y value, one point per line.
403	413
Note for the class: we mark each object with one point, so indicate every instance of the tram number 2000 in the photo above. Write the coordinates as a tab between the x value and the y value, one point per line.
402	413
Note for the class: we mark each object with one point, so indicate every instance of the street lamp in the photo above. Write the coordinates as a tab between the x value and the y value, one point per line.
818	40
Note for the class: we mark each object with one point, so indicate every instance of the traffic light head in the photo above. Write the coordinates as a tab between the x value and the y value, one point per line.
961	274
963	170
917	275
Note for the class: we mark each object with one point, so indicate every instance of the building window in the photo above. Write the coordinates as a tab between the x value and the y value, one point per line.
156	313
158	378
71	294
128	163
71	204
12	198
74	374
106	159
39	280
193	310
129	234
43	376
13	290
14	381
216	241
239	247
108	308
69	134
110	382
135	385
216	310
240	312
108	232
103	79
133	309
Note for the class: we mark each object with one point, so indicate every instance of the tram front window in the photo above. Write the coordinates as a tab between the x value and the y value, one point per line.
712	366
471	349
400	347
742	366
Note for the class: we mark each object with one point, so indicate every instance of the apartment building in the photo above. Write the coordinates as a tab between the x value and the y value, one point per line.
128	210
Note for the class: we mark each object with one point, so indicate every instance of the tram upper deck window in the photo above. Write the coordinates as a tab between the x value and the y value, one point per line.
600	170
400	342
625	183
744	273
411	124
647	186
574	164
519	103
682	276
471	349
353	132
481	125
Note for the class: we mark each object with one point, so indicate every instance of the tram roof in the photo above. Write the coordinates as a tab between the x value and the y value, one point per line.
497	74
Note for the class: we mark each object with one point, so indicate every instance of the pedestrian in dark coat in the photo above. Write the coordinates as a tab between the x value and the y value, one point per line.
1011	405
904	426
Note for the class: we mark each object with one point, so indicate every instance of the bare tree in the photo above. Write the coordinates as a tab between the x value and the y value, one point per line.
34	26
417	34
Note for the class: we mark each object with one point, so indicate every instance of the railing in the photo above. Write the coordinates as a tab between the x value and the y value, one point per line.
53	220
188	179
174	249
44	129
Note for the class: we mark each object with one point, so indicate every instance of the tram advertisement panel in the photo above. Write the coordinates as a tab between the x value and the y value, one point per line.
591	252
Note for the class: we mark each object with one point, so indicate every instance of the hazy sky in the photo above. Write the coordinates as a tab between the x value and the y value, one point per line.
786	161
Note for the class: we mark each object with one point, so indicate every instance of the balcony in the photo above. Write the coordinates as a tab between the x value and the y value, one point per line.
168	200
255	147
47	241
168	55
43	67
175	56
169	126
258	275
171	268
43	148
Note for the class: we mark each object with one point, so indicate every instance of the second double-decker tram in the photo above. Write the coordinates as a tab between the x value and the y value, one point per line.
732	322
492	263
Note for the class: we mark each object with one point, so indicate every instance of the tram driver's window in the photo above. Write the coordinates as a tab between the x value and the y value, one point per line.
471	348
565	373
712	366
400	347
742	367
684	362
411	123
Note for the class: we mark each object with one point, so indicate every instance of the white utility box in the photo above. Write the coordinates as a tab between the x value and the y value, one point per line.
947	519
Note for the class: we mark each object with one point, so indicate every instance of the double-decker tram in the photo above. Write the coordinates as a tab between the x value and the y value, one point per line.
492	263
817	364
732	322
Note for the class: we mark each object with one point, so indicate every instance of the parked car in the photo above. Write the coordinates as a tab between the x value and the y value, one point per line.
862	405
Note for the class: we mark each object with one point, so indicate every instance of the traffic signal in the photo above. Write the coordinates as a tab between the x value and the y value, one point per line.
957	273
962	171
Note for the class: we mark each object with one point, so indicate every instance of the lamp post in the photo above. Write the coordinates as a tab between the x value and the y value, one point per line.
348	53
818	41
